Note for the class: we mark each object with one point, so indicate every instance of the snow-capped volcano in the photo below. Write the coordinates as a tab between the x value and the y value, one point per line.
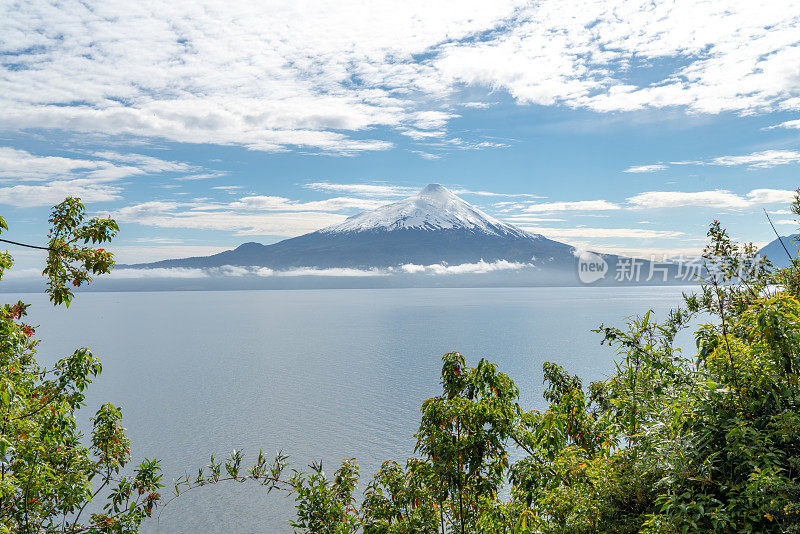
433	208
418	234
432	227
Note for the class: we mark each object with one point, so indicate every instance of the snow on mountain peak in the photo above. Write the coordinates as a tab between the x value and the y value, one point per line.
433	208
436	192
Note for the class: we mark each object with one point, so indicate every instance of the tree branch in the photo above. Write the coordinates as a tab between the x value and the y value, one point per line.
777	234
25	245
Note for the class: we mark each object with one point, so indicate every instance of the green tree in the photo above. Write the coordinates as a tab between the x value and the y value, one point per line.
326	506
464	434
708	442
404	500
48	475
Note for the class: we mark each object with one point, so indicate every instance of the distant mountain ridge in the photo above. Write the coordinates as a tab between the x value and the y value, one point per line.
776	253
431	227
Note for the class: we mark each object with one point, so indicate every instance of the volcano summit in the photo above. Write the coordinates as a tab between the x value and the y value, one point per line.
432	227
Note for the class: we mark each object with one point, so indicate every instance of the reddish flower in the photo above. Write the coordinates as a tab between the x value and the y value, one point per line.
27	330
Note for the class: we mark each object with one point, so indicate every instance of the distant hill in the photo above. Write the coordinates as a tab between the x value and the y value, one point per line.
776	253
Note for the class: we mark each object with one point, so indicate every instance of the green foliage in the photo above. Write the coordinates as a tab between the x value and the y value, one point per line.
48	476
326	506
404	500
464	432
69	260
6	261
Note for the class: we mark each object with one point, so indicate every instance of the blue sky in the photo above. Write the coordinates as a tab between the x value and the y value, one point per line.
619	126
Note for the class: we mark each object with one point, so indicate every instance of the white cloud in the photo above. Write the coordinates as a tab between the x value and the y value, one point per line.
230	189
432	120
522	219
412	268
477	105
48	179
581	50
756	160
421	135
519	213
173	272
676	199
793	124
661	253
249	215
719	198
770	196
25	196
388	191
170	214
32	272
426	155
190	73
201	176
491	194
147	164
766	158
646	168
568	234
337	271
270	203
465	144
263	272
235	271
327	76
480	267
21	165
791	104
580	205
367	190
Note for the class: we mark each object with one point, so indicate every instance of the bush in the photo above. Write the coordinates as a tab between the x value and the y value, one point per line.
47	475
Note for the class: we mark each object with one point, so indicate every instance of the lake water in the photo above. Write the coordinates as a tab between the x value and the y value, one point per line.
327	374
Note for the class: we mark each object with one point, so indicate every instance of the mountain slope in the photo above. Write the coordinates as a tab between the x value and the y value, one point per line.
433	208
433	226
775	252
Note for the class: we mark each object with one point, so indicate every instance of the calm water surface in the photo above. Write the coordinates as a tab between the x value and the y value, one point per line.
327	374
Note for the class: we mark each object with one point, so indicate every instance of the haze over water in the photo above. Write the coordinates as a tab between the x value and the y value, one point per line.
327	374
